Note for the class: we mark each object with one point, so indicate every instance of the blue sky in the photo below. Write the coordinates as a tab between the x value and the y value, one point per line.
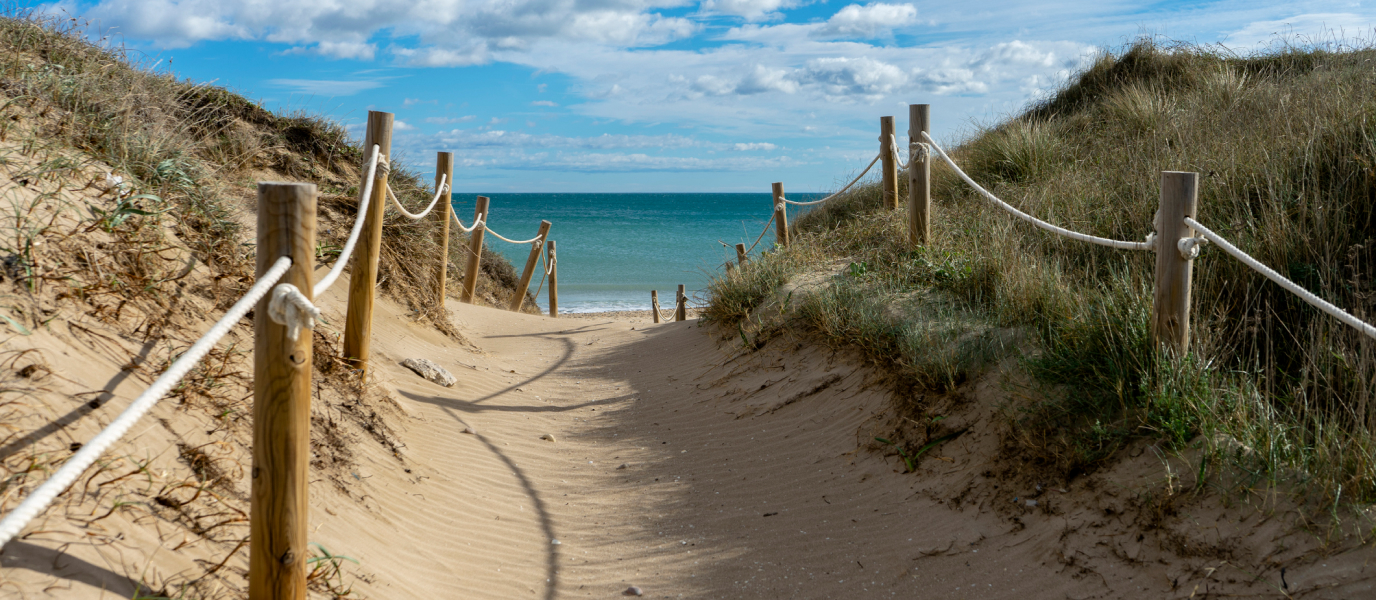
667	95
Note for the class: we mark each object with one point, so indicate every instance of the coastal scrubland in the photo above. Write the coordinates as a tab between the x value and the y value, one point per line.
1273	395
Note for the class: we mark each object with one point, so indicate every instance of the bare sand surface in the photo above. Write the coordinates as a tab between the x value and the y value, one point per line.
580	456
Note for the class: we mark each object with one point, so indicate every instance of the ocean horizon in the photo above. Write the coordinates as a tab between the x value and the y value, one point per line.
614	248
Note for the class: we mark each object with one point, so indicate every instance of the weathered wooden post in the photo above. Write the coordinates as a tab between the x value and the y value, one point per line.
1171	306
681	310
553	281
358	320
654	304
475	251
919	176
889	166
740	254
278	502
519	298
444	167
780	215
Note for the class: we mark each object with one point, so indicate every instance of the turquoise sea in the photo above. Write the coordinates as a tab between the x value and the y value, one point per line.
615	248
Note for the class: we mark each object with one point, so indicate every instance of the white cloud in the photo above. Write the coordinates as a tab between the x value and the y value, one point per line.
451	32
751	10
543	103
871	20
401	125
1302	29
863	76
322	87
754	146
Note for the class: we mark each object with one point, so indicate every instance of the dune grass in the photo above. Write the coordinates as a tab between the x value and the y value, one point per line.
1285	143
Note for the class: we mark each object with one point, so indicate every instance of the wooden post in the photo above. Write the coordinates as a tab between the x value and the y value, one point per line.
681	309
444	166
740	254
780	215
919	176
519	298
278	502
1171	307
358	322
553	281
889	168
475	252
654	304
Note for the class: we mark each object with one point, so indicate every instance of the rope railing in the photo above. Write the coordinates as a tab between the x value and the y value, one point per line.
1121	245
289	209
1288	285
377	165
39	500
439	191
843	190
466	228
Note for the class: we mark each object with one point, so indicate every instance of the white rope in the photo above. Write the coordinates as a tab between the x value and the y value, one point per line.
39	500
505	239
475	225
1189	247
1290	286
893	147
413	216
290	307
375	164
843	190
766	230
1033	220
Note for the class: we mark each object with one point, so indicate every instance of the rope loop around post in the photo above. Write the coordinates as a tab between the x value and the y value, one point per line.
288	306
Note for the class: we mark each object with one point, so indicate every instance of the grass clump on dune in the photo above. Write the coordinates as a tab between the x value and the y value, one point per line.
1285	143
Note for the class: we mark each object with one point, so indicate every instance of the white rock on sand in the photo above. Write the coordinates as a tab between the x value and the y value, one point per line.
431	371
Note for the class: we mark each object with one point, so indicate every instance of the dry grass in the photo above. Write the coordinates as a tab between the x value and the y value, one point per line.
1287	150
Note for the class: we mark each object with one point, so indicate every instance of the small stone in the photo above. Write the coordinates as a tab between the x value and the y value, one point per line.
431	371
470	431
548	437
633	591
623	466
556	543
1031	503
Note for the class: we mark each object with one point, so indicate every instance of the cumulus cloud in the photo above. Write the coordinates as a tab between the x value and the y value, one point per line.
863	76
871	20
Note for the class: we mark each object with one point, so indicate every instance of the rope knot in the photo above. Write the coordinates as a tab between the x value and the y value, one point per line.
384	166
1189	247
920	151
288	306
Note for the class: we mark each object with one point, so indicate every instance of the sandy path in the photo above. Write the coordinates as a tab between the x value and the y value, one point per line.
719	497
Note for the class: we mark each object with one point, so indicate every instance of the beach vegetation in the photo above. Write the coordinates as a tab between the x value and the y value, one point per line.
1272	393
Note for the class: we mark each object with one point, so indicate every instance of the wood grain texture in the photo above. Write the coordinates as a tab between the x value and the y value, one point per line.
281	403
444	165
888	163
919	178
553	280
740	253
681	308
654	304
518	297
1171	303
358	321
475	252
780	215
